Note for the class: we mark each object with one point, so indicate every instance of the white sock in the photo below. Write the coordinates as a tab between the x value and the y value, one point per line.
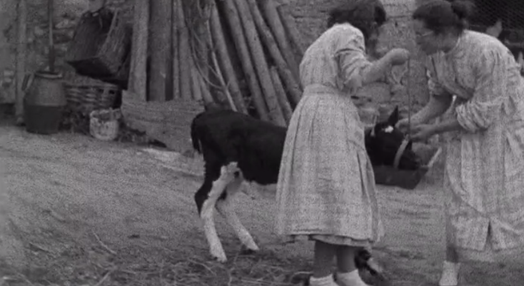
350	279
450	273
322	281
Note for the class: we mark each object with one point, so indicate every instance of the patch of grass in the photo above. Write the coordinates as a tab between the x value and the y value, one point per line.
144	266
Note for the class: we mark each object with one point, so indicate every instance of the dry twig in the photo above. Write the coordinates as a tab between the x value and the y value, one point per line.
103	244
104	278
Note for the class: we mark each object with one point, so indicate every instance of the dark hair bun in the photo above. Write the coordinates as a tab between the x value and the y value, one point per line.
462	8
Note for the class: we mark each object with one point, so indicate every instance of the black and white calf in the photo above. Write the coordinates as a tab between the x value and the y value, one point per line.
235	147
238	148
385	145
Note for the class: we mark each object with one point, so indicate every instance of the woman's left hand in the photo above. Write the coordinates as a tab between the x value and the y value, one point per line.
422	132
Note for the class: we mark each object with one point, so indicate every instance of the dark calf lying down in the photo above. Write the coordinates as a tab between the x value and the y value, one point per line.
238	148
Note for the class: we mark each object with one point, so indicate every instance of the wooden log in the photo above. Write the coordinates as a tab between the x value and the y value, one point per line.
281	94
206	94
269	9
184	50
167	122
196	14
175	31
199	11
259	59
160	40
233	53
51	43
221	86
138	71
232	15
196	90
21	52
224	62
291	28
292	85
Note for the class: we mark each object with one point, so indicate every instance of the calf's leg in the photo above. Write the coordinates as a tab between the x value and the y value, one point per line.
226	208
207	211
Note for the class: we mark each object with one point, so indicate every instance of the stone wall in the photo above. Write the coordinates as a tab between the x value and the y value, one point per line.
309	14
7	18
66	15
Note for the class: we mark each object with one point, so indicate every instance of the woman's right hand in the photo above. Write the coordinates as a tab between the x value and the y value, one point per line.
403	124
398	56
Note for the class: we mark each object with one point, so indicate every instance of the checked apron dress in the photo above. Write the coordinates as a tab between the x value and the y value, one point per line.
484	170
326	186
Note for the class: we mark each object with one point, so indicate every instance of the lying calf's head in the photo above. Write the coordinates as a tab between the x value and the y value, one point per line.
383	142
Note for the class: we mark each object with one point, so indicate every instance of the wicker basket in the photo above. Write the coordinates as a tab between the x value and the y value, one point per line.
100	44
86	95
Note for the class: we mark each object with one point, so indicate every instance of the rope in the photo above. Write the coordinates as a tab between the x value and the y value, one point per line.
407	138
408	91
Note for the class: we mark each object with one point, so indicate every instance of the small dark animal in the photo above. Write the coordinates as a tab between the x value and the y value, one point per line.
238	148
382	145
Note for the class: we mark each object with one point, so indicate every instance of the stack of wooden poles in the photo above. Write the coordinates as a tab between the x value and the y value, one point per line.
238	54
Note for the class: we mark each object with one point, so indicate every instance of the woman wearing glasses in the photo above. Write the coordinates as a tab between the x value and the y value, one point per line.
484	170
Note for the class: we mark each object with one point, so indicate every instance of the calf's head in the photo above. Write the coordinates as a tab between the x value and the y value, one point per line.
384	141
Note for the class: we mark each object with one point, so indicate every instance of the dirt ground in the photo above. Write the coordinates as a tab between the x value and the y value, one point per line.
98	213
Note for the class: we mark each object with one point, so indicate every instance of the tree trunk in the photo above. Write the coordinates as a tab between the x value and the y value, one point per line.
292	30
199	13
138	71
273	19
224	61
232	15
257	53
160	42
196	90
21	51
175	32
292	86
206	95
281	95
184	51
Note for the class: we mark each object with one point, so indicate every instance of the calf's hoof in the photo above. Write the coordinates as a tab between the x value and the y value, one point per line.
246	250
219	255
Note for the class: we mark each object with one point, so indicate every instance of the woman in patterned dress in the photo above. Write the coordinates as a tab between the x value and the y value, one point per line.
326	187
484	169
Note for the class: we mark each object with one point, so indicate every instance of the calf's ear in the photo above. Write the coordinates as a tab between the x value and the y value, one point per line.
393	117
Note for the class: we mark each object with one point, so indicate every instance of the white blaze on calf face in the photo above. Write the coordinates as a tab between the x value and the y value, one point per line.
389	129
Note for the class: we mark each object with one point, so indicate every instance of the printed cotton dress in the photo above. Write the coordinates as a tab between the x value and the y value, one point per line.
484	173
326	185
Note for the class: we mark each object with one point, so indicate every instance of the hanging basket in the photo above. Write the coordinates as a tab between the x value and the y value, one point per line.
121	79
100	44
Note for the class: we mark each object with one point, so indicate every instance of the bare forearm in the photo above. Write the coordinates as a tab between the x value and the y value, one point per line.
435	107
447	125
376	70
